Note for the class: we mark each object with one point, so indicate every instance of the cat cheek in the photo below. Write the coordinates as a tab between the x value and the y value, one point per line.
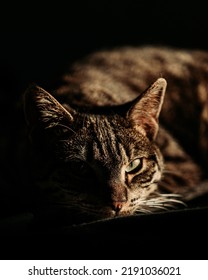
129	178
157	177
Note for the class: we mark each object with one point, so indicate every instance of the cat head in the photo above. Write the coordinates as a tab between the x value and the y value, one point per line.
103	164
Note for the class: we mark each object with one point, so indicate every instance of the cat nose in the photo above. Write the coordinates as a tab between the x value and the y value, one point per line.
117	206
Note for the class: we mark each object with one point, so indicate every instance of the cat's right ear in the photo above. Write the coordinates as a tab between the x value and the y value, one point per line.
43	111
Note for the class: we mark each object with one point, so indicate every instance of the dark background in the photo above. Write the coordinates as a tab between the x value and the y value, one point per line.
43	41
38	46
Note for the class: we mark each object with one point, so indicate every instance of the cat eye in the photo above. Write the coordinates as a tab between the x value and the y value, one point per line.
134	166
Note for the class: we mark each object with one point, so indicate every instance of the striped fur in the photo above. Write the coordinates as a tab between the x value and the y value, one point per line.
99	132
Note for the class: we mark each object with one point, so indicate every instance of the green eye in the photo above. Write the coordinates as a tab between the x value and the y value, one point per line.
134	166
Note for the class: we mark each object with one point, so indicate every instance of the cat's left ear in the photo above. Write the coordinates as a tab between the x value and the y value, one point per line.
144	112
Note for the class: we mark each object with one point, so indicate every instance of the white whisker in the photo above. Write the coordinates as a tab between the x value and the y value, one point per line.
145	211
170	195
158	201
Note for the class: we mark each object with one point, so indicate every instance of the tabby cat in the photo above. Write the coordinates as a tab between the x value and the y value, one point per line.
113	141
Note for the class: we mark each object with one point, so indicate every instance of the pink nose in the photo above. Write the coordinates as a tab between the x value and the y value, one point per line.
117	205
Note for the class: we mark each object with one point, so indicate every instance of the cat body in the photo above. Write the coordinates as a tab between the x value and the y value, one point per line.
125	133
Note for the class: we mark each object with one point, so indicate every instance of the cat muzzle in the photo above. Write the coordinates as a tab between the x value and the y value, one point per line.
117	206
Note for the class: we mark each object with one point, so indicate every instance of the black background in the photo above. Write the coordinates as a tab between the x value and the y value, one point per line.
43	41
38	46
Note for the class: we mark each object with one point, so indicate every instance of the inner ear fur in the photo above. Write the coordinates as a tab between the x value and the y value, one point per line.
145	110
42	110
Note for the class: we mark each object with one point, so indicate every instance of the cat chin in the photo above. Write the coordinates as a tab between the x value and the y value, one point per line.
109	213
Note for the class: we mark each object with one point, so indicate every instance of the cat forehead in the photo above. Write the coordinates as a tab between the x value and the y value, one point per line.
110	131
114	128
105	126
107	122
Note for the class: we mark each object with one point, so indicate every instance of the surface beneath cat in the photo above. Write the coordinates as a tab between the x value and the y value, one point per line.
179	234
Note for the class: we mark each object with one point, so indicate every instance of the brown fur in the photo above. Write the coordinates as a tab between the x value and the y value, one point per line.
104	119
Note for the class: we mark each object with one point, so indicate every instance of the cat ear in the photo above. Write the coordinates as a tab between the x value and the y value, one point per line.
145	110
42	110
